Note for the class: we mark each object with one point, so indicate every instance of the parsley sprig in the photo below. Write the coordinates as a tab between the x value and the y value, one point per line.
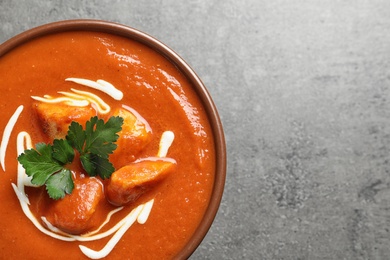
47	163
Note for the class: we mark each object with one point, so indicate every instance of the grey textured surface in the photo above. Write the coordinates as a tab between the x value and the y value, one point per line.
303	89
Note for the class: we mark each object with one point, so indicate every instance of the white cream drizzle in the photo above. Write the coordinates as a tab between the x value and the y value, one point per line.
112	212
144	214
24	142
101	85
78	98
165	142
139	214
98	103
7	133
132	217
143	122
88	236
67	100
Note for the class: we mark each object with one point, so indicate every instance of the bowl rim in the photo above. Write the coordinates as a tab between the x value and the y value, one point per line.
198	86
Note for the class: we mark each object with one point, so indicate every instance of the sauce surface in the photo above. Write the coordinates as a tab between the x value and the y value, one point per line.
157	91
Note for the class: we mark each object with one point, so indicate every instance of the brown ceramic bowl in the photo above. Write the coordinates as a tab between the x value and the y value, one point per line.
200	89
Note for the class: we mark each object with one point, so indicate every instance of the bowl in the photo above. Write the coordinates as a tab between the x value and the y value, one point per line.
201	92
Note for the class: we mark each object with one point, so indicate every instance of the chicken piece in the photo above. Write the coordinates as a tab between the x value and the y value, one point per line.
55	119
131	181
74	213
133	137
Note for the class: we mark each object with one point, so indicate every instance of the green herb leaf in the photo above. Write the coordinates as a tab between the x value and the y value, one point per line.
46	164
103	167
39	163
76	136
100	136
60	183
99	143
62	151
88	164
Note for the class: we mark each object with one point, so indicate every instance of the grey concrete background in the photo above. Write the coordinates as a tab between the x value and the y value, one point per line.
303	89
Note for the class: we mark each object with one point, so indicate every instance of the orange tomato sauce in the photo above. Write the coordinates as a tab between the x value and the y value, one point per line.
156	90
